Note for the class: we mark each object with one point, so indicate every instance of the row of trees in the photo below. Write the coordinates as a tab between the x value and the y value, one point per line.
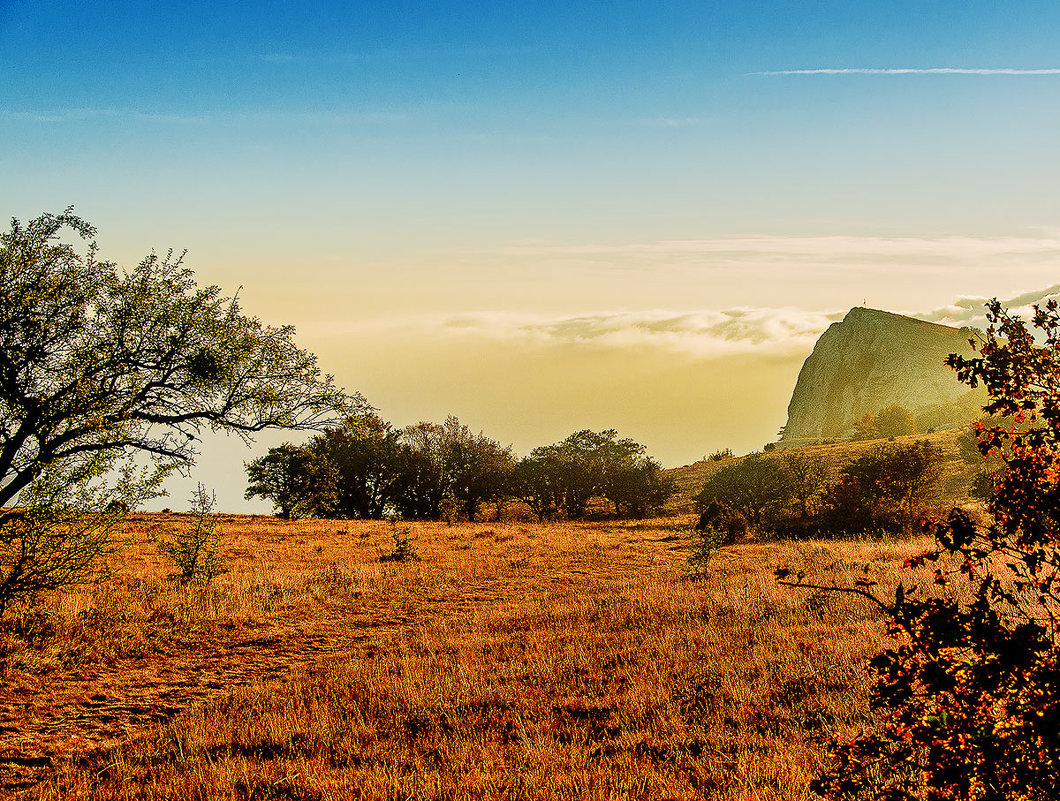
796	493
365	468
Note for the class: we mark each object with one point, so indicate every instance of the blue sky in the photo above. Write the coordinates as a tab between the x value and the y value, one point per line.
427	188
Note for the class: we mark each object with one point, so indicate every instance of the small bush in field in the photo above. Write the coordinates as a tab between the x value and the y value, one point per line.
885	490
404	550
195	550
706	542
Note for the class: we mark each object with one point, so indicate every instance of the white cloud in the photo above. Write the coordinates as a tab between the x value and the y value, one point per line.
699	334
911	71
972	311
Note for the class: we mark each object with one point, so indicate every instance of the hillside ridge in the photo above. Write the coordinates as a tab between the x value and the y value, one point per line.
870	360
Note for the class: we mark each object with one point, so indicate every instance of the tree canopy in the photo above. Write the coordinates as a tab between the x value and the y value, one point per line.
98	362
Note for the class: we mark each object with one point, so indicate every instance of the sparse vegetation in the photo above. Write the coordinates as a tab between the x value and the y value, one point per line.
561	660
404	548
195	549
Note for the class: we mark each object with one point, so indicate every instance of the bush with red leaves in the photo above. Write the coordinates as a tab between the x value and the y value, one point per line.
969	696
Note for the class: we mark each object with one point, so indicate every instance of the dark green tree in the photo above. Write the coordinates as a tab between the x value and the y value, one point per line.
537	480
421	487
585	461
807	476
564	477
297	481
476	469
757	486
449	465
637	486
364	455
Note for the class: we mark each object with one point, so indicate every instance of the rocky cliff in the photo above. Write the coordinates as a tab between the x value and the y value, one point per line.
871	360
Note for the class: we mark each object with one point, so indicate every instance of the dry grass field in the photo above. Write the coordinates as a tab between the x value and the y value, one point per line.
511	660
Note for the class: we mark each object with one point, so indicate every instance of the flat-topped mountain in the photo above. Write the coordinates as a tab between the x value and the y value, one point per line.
874	359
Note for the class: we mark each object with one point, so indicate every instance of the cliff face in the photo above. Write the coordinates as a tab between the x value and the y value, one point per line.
871	360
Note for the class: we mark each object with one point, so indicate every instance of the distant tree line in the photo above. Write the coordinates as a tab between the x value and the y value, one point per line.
796	493
366	468
889	422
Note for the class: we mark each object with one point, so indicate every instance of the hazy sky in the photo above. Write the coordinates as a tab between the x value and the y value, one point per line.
552	216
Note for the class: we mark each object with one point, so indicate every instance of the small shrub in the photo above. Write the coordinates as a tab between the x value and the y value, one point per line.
705	543
56	539
982	487
727	522
404	550
722	455
195	550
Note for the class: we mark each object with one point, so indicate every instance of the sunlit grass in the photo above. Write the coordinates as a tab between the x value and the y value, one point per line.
512	660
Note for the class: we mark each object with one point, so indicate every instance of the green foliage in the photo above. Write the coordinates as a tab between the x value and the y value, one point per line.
195	551
564	477
884	491
637	487
365	460
722	455
475	468
364	468
97	360
432	472
807	477
538	481
982	486
796	494
719	526
404	547
757	486
450	461
727	522
66	523
706	542
895	421
969	696
296	480
99	366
